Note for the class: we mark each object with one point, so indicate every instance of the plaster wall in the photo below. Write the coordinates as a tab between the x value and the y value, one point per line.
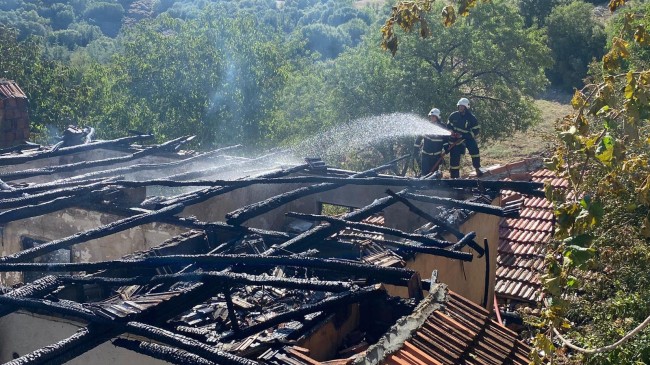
67	222
465	278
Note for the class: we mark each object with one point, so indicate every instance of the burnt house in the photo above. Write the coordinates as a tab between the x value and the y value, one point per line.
14	119
136	252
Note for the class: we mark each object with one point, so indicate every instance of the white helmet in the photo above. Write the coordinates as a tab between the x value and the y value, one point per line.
436	112
464	102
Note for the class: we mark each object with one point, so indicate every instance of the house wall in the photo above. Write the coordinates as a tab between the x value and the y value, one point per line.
465	278
67	222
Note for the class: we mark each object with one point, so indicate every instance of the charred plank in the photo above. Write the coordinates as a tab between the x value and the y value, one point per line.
332	303
50	170
243	214
15	160
429	241
99	232
187	344
162	352
462	204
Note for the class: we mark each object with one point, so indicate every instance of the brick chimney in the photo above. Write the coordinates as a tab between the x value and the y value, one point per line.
14	120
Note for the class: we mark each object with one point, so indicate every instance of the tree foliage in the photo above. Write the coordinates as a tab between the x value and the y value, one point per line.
575	39
596	285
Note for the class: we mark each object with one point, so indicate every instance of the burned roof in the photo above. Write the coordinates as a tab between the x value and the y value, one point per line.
239	286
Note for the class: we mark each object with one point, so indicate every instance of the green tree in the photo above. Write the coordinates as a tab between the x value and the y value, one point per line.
576	39
491	59
535	12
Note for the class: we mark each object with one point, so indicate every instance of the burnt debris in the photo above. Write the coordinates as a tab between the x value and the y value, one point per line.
213	282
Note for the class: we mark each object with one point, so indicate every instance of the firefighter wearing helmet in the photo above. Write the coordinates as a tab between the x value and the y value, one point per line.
431	147
464	128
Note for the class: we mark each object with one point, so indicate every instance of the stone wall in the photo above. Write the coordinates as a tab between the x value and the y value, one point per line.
14	120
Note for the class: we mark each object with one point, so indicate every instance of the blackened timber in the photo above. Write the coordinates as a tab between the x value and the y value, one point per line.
332	303
15	160
189	222
185	343
243	214
220	261
142	167
37	188
232	315
50	170
102	231
45	354
227	279
162	352
20	148
429	241
319	233
465	241
530	188
61	308
439	222
35	289
452	253
50	206
48	195
462	204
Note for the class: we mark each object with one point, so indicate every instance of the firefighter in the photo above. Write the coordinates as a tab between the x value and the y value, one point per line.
431	147
464	128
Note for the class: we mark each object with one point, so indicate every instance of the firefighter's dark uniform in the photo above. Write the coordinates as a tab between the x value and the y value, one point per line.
467	127
432	148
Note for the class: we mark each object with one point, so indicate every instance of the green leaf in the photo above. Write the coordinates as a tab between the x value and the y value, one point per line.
579	255
581	240
605	150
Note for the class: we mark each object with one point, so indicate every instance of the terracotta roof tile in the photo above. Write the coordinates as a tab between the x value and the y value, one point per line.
462	333
520	257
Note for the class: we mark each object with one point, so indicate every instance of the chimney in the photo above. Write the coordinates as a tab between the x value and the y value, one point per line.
14	120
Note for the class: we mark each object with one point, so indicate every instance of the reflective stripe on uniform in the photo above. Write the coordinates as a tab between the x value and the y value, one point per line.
431	153
434	139
454	167
476	155
461	130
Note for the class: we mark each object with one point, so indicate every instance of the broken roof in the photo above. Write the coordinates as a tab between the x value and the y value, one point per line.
171	291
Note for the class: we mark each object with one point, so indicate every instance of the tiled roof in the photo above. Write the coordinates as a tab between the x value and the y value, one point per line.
520	258
10	89
444	329
462	333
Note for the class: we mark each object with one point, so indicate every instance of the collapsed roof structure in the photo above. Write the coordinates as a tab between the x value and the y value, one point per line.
120	251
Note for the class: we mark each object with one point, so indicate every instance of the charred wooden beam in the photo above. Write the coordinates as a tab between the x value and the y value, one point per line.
102	231
189	222
221	261
452	253
38	188
34	210
319	233
205	194
144	167
49	195
329	304
530	188
226	279
62	308
15	160
434	220
429	241
243	214
232	315
462	204
50	170
185	343
35	289
162	352
20	148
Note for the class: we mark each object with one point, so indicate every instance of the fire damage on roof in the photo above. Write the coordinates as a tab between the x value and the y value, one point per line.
117	248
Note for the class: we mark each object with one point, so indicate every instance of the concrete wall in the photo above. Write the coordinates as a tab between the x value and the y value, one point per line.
68	222
22	333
